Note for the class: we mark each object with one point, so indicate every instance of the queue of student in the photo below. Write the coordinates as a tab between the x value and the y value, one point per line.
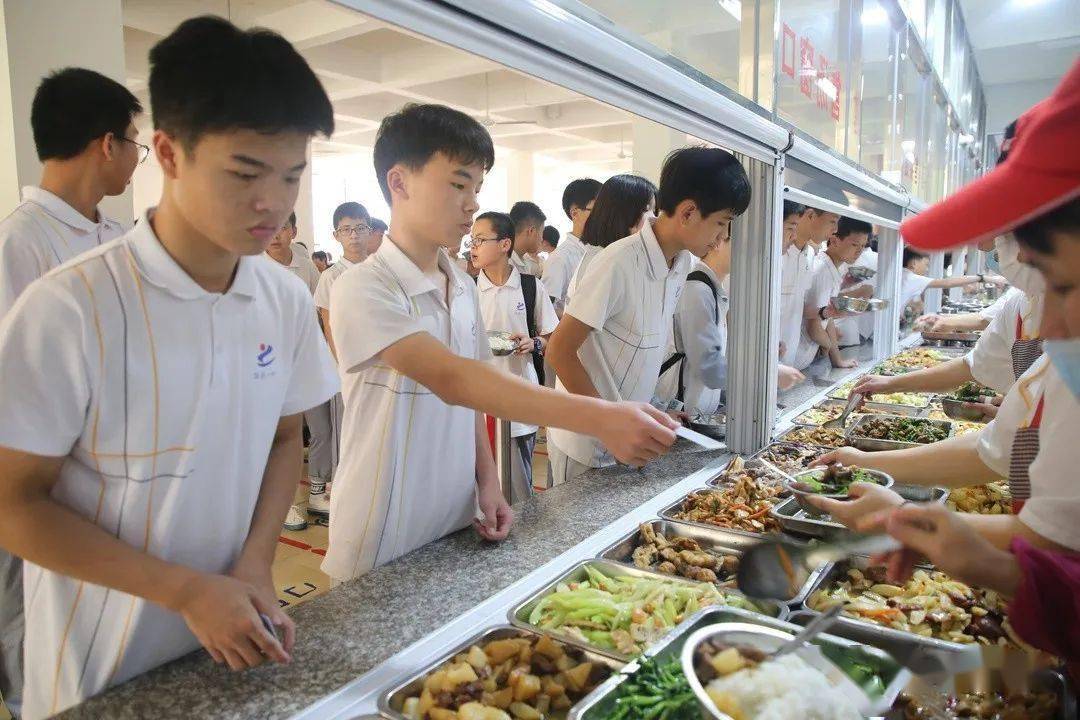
159	379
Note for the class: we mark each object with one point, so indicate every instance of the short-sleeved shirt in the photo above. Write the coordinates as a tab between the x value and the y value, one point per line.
165	399
990	312
627	294
526	264
503	309
912	286
301	267
41	233
327	280
407	473
795	277
1054	505
560	266
825	284
701	334
991	358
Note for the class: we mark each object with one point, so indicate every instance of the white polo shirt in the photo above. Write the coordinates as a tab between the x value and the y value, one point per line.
327	280
503	308
301	267
298	247
165	399
41	233
560	266
407	474
1054	506
825	284
991	358
795	277
912	285
627	294
998	305
526	264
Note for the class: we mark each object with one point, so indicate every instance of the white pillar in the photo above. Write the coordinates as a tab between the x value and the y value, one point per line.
652	143
520	174
38	37
305	210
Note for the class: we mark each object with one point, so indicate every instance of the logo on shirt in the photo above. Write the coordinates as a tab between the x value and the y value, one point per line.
265	358
521	307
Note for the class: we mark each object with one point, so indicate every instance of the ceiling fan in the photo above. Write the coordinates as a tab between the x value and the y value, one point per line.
487	121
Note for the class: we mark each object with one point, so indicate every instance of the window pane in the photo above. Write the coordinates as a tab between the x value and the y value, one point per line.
908	160
869	138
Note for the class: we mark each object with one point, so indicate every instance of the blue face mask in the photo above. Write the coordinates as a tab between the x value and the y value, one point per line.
1065	357
992	263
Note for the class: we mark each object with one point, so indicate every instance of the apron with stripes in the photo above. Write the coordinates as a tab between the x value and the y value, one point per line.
1024	351
1024	449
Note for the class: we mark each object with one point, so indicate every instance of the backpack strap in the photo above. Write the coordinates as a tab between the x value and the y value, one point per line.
528	292
678	356
701	277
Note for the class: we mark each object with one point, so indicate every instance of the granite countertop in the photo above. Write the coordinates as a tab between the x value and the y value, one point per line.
356	626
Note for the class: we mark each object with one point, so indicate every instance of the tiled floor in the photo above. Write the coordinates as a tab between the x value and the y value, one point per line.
297	577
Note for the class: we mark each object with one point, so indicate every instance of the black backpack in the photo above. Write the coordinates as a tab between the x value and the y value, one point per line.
678	357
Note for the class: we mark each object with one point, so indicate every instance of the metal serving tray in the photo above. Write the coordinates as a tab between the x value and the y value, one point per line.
519	614
896	409
951	336
391	701
796	520
599	704
922	655
716	539
750	462
800	419
760	454
785	437
872	444
669	512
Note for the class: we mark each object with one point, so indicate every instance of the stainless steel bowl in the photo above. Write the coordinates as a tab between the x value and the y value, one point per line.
884	479
861	273
499	335
845	303
876	304
958	410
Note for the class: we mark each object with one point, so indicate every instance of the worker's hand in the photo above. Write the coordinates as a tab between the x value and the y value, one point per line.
988	406
635	433
844	456
524	344
873	384
788	377
498	516
868	499
223	614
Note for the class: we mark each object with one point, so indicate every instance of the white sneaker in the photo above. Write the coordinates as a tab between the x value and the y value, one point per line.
295	520
319	499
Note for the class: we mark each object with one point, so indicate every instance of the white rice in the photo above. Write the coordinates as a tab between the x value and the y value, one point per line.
786	689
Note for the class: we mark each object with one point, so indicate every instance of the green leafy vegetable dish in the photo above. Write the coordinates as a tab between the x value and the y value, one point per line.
971	392
836	479
657	691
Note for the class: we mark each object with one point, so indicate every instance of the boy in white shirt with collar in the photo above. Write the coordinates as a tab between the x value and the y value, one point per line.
612	338
84	132
83	126
516	303
282	251
150	419
412	353
578	199
528	221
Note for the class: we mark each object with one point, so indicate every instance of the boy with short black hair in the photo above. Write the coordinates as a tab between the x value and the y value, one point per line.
577	201
152	445
516	303
378	229
284	252
528	221
412	352
322	260
549	242
612	338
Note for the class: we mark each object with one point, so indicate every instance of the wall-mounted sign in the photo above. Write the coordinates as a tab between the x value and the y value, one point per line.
818	80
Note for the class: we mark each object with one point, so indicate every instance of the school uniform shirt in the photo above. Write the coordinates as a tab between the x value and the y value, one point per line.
503	308
526	264
1054	505
627	294
327	280
302	268
299	247
990	360
41	233
795	278
591	251
990	312
912	285
407	474
560	266
165	398
701	334
824	286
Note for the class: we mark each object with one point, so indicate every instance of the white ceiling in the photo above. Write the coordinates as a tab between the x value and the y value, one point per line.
371	69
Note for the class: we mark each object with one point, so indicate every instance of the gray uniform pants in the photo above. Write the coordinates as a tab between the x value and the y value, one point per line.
320	456
521	470
11	627
563	468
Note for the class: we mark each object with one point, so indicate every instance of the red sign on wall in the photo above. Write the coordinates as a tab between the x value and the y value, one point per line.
787	51
818	81
807	70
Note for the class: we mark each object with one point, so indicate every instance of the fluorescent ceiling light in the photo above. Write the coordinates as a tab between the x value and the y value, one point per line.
874	16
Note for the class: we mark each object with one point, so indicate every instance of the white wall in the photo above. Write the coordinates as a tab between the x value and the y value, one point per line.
1005	103
40	36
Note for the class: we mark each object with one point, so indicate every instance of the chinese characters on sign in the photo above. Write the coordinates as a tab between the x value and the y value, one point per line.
817	80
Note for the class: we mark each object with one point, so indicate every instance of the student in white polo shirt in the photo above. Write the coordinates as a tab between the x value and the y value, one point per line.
577	200
812	228
528	221
613	336
281	250
150	419
518	304
354	230
412	353
84	133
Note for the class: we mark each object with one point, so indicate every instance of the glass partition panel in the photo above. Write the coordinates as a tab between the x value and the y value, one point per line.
907	161
870	129
936	151
937	36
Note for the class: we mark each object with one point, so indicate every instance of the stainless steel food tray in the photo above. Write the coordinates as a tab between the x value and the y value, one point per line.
828	402
599	704
519	614
784	437
895	408
872	444
796	520
669	512
750	462
391	701
951	336
922	655
716	539
760	454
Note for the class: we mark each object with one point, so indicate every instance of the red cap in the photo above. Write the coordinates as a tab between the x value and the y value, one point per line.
1041	173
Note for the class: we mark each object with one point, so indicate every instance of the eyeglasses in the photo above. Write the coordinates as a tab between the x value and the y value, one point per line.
144	150
478	241
356	230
